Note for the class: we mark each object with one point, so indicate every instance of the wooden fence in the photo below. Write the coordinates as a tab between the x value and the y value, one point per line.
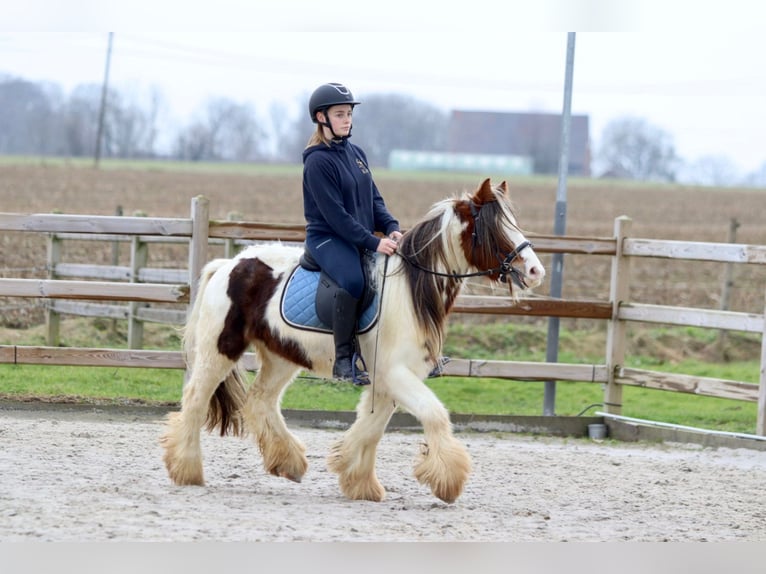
199	231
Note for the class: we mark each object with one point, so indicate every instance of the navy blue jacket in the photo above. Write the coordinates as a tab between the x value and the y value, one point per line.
340	196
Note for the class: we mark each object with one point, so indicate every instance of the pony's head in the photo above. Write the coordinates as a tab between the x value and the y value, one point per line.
475	234
492	242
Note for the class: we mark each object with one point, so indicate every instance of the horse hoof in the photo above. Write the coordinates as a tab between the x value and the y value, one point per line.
291	477
294	476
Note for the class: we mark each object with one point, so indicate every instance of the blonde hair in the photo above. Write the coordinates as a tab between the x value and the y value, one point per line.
318	137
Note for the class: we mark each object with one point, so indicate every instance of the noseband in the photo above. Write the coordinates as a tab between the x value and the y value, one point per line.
507	269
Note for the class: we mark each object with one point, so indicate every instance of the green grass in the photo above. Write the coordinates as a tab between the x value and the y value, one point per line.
500	341
459	395
95	383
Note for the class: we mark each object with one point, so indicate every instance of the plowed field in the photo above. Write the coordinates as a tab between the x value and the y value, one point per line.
253	194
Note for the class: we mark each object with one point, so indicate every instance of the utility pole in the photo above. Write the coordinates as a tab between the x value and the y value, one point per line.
560	223
102	112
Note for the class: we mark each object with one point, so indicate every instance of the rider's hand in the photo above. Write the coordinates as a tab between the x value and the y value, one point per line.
395	236
386	246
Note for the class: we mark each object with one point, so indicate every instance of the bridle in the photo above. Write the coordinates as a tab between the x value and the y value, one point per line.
503	270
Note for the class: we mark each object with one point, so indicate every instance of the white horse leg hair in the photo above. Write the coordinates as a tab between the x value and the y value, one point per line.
444	463
183	456
353	457
283	453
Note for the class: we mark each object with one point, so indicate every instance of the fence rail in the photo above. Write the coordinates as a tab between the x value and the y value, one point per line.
179	286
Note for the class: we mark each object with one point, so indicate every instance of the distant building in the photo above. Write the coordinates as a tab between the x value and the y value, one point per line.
534	135
415	160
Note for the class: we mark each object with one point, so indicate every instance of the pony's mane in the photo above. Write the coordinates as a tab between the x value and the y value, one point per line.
448	240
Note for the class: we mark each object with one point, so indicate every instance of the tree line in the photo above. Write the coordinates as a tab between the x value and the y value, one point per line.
40	119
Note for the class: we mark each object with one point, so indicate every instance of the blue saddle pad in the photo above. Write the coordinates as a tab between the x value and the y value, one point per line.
298	307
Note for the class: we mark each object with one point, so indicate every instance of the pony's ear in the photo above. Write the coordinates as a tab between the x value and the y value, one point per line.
484	194
503	187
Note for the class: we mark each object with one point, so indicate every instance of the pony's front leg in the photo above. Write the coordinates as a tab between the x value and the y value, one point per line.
283	453
444	464
181	440
353	457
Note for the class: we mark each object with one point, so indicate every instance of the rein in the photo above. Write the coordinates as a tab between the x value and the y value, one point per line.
503	270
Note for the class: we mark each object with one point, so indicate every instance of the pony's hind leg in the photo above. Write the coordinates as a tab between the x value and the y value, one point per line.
444	464
283	453
181	440
353	457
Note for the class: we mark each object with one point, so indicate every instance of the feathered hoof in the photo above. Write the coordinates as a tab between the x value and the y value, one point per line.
355	485
445	472
444	488
184	472
183	462
185	475
362	489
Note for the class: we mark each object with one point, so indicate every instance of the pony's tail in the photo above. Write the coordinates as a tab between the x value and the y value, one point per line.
225	406
225	409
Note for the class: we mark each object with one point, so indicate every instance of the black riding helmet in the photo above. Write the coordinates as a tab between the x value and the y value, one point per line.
327	95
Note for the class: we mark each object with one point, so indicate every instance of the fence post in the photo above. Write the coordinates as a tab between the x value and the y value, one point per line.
198	244
726	285
139	255
52	317
116	261
230	246
615	341
760	426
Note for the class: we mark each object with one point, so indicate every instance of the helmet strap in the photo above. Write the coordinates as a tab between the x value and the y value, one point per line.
328	125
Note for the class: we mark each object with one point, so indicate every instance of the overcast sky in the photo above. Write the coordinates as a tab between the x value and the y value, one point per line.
703	83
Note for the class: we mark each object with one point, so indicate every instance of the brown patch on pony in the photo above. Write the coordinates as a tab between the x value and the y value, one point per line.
252	284
484	243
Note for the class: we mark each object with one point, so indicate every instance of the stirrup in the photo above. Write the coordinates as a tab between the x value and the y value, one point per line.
359	377
350	372
437	371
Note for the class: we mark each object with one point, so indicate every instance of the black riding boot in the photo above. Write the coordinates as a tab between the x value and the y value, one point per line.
346	367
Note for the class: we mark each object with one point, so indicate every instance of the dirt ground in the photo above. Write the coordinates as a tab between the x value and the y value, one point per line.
97	475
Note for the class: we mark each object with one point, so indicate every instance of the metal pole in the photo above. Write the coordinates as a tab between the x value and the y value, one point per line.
560	222
97	155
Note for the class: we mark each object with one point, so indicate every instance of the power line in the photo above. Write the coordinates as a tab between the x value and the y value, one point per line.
102	111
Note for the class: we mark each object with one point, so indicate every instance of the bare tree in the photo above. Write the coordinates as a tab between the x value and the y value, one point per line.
130	128
81	120
287	137
631	148
385	122
712	170
758	177
38	119
293	139
126	128
193	143
28	117
227	131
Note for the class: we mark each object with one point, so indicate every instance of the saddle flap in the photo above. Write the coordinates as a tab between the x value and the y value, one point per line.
300	299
